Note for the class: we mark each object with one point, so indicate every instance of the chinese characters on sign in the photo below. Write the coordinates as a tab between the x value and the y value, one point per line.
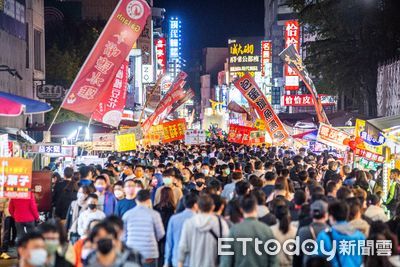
371	143
257	100
161	55
266	59
110	108
244	56
174	130
307	100
292	37
98	73
15	178
331	136
195	137
125	142
292	58
239	134
174	45
369	155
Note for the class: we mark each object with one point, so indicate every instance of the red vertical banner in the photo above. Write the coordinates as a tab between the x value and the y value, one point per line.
108	54
111	106
248	87
292	36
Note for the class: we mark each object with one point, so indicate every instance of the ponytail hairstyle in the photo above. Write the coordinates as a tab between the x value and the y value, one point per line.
281	211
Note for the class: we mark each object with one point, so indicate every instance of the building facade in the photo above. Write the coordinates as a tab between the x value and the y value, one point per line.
22	48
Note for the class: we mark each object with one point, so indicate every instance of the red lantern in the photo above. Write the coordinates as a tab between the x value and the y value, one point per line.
359	140
346	141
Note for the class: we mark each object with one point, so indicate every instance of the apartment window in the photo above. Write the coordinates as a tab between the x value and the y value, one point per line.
37	43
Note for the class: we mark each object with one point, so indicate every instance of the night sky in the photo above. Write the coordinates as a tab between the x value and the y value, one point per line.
210	23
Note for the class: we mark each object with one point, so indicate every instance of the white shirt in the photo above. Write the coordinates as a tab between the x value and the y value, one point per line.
86	217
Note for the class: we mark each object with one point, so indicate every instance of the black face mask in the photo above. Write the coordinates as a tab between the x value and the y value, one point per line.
104	245
92	206
199	184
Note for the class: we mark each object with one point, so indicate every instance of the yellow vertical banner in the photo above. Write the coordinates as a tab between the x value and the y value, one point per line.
125	142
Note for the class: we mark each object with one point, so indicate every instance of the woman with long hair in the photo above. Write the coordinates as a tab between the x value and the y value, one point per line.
166	208
75	209
283	230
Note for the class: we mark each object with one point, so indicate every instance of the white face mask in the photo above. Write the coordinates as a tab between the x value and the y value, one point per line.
37	257
119	194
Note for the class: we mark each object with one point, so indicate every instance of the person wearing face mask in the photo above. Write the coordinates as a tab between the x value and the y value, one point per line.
92	213
31	250
51	237
75	209
205	169
107	200
144	229
105	238
131	188
118	190
225	175
169	179
139	175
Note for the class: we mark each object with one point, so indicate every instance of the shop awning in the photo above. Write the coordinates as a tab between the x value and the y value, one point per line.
385	124
14	105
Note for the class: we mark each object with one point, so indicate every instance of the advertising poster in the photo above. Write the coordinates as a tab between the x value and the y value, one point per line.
195	137
112	48
174	130
244	56
15	178
109	110
240	134
307	100
125	142
257	100
103	142
370	142
331	136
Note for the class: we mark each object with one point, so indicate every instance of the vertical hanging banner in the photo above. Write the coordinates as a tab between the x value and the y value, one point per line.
293	59
15	178
266	59
292	37
97	74
111	107
161	55
174	94
248	87
189	94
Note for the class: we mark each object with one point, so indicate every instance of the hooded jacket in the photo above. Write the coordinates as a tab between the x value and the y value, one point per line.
198	243
345	233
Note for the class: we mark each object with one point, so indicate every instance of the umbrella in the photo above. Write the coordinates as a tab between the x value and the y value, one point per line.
14	105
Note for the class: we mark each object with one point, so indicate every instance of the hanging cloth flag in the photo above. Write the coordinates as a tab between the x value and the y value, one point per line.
249	89
98	73
294	61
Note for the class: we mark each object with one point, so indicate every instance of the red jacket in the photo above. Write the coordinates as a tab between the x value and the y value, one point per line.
24	210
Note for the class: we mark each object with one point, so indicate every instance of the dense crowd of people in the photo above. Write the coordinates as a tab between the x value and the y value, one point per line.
177	205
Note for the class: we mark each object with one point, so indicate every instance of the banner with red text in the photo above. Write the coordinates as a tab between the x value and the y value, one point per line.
331	136
292	58
174	130
111	107
307	100
15	178
240	134
248	87
108	54
175	92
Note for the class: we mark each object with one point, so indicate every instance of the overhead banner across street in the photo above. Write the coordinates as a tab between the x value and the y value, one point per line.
97	74
248	87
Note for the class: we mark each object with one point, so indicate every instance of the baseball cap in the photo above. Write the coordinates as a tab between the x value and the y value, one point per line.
319	208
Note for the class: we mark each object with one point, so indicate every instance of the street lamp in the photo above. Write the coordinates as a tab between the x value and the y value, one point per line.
11	71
